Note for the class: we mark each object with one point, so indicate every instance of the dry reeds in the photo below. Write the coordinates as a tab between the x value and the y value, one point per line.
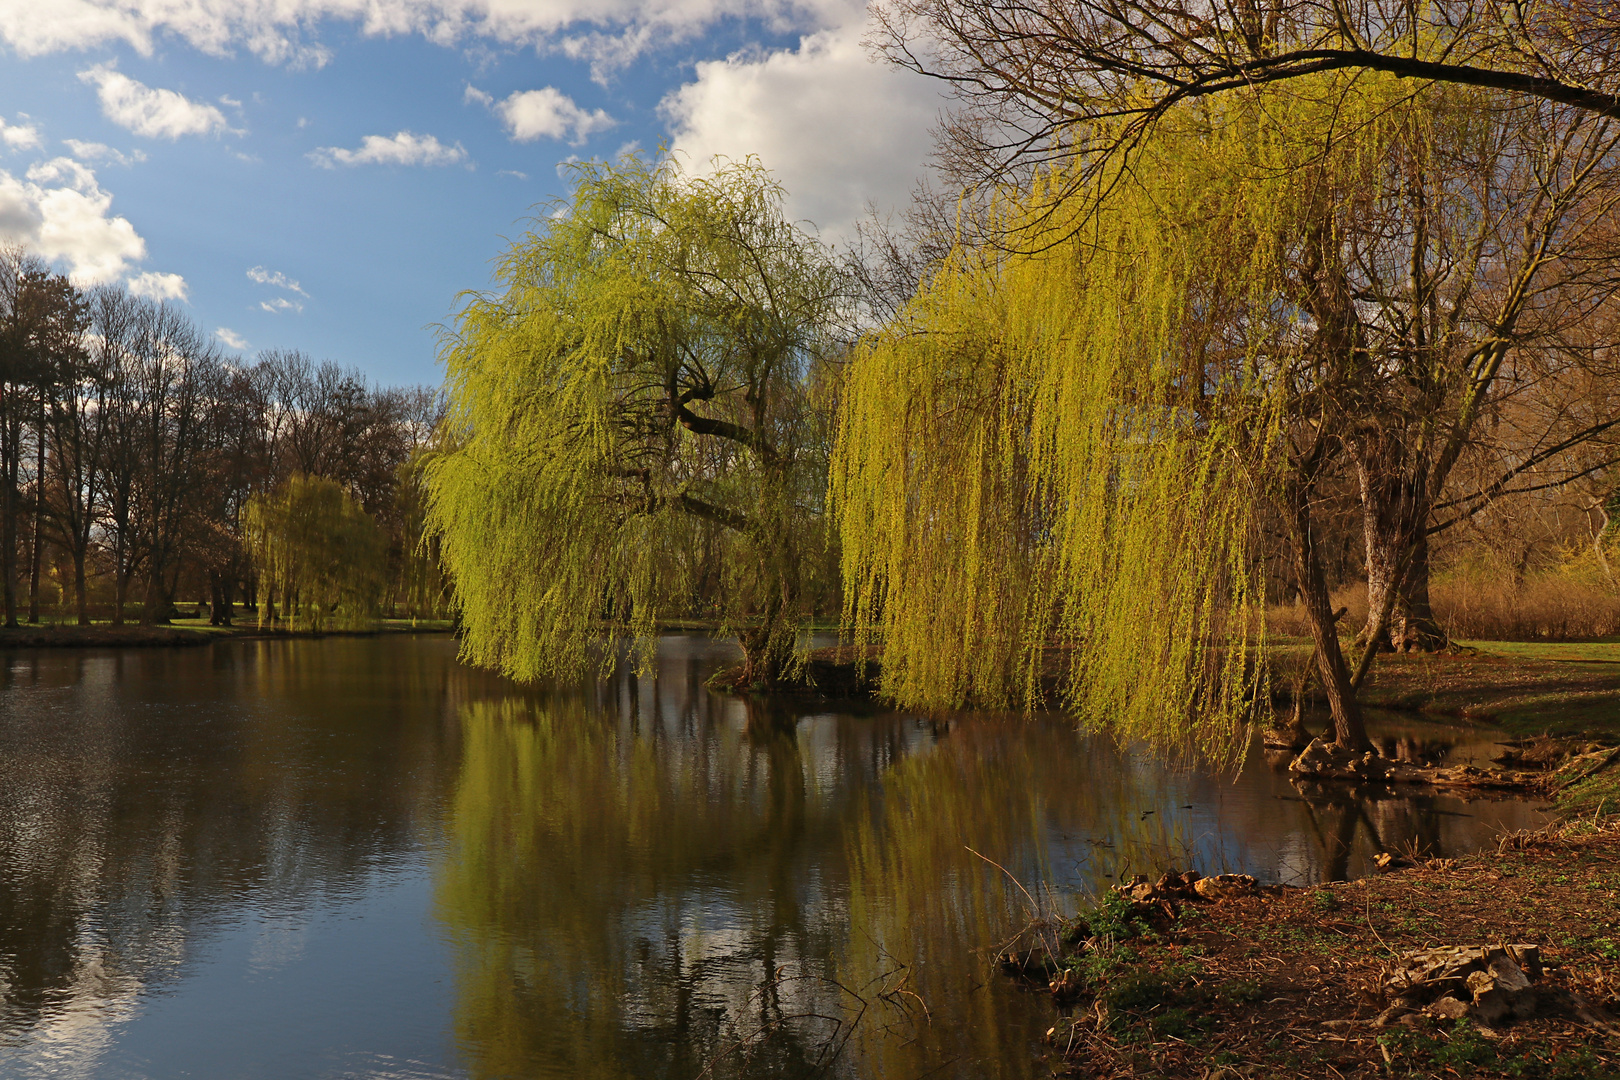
1572	601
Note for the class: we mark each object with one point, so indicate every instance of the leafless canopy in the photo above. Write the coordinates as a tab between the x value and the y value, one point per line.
1046	81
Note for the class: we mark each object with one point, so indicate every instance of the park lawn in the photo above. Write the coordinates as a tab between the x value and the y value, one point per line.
1529	688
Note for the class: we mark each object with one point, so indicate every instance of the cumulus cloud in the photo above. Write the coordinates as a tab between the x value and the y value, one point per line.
155	286
403	148
94	151
231	338
60	212
276	278
546	113
19	136
838	130
156	114
608	32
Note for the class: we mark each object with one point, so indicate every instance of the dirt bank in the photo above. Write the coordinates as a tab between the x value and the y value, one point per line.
1305	982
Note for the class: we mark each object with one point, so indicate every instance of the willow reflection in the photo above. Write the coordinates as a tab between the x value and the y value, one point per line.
622	903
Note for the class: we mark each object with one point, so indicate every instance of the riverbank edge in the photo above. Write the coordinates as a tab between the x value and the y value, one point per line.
1526	697
1292	981
138	636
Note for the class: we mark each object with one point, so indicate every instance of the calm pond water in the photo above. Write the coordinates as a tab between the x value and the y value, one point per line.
356	858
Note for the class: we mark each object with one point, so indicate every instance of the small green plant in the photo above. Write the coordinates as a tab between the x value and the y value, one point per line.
1113	917
1326	901
1176	1023
1464	1047
1242	992
1568	1063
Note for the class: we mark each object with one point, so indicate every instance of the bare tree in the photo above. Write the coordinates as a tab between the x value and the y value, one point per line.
1063	80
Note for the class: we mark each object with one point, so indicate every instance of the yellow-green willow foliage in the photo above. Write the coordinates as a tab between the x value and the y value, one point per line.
422	593
317	552
639	388
1051	466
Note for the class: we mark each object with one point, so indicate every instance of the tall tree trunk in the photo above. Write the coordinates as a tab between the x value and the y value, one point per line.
1394	523
155	612
8	529
80	593
39	519
1349	731
33	571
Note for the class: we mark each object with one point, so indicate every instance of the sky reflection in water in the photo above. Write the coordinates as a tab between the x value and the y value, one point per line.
355	858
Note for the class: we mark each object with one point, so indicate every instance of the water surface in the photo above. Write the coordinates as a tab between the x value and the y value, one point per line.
356	858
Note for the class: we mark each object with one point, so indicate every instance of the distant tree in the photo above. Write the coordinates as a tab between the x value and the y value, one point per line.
76	428
319	551
42	319
643	374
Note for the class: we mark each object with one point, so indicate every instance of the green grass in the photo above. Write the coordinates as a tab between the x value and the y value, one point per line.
1577	652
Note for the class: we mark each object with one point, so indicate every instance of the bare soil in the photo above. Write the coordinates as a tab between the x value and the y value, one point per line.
1289	983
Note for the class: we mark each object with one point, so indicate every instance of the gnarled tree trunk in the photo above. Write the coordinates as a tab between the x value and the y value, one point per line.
1395	517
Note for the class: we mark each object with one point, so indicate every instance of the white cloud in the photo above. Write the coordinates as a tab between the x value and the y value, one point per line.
276	278
231	338
61	213
608	32
472	94
19	136
404	148
512	173
837	129
550	113
156	114
155	286
94	151
280	304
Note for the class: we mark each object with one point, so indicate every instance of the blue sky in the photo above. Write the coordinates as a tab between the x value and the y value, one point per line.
327	175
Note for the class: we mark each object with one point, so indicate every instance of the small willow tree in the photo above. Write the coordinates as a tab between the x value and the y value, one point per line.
318	551
640	387
1052	466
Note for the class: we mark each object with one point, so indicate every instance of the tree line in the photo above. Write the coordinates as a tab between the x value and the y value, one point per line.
132	446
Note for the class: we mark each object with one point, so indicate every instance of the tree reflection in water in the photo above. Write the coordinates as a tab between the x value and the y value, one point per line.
636	877
645	880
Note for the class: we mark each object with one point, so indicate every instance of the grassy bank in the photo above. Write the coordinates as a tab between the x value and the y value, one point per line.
182	632
1527	688
1293	982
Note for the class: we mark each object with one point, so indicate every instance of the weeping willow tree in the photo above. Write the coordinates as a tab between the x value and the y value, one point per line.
1052	468
640	386
316	549
421	587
